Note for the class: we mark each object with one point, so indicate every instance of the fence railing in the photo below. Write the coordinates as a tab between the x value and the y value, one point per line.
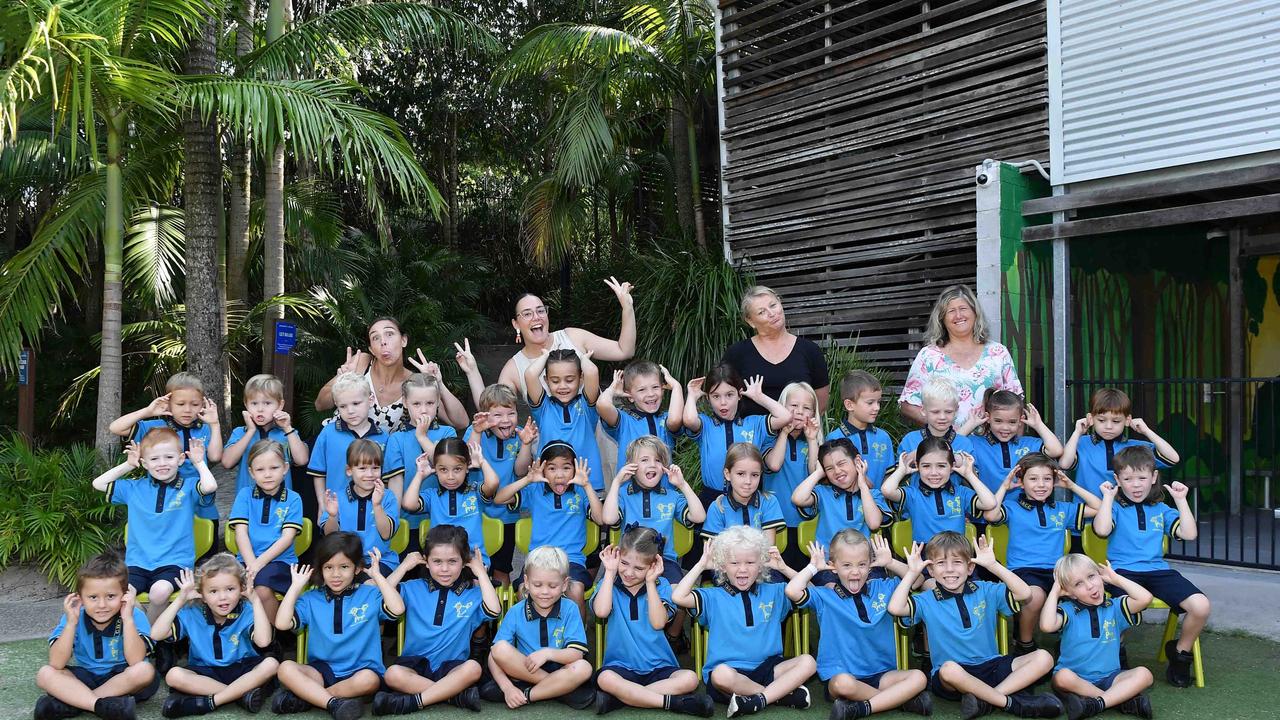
1227	432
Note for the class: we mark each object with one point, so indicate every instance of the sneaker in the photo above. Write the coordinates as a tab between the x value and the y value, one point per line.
1179	671
51	708
123	707
254	699
581	697
468	699
844	710
606	703
386	702
346	708
1078	706
491	692
971	707
1034	706
798	699
698	705
1139	705
921	704
745	705
286	703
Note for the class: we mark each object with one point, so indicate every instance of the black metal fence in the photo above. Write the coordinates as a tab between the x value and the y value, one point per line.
1227	432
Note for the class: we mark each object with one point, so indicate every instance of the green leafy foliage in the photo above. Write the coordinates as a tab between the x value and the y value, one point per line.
49	512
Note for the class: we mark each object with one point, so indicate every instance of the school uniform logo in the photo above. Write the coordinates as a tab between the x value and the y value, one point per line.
749	436
572	503
359	614
114	648
954	507
980	611
766	609
1018	453
461	609
176	501
1108	630
666	511
469	506
511	447
880	603
879	449
1059	519
557	637
234	638
1157	522
280	513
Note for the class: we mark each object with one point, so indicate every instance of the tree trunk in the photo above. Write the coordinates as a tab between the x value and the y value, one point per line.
615	240
110	381
273	211
452	178
201	193
241	186
695	179
677	138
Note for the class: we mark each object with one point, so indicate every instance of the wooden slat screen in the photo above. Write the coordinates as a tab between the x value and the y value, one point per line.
852	129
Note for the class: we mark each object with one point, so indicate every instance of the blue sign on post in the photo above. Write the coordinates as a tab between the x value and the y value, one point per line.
24	363
286	337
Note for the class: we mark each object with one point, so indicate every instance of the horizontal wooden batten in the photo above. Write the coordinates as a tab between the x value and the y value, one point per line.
1162	217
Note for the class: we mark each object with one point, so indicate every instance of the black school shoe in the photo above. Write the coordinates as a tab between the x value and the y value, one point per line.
798	699
1034	706
491	692
1179	671
921	704
581	697
606	703
49	707
842	709
254	699
346	708
123	707
745	705
468	699
1139	705
971	707
697	705
286	703
179	705
1078	706
386	702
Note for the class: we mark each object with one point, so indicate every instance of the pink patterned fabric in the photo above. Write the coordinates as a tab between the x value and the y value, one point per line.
993	369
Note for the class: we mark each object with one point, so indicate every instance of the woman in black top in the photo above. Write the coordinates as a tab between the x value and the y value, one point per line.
774	352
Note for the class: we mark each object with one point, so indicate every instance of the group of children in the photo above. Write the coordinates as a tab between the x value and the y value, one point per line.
761	478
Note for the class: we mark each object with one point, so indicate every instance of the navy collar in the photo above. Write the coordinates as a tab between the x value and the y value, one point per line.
351	590
281	493
948	489
548	489
531	613
235	613
715	419
942	593
991	439
175	483
851	429
1081	607
352	495
465	487
753	501
344	427
458	587
843	593
1126	502
178	428
729	588
634	487
1029	504
949	435
114	626
1122	437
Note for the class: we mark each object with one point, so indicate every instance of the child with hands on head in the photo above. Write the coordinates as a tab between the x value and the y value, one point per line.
98	651
162	507
1138	523
960	615
633	597
226	635
1101	434
418	436
538	653
344	637
191	415
443	612
938	502
353	397
940	401
266	519
743	614
1025	502
642	382
744	503
792	457
566	410
452	488
847	501
1088	676
857	656
861	393
365	506
997	430
264	419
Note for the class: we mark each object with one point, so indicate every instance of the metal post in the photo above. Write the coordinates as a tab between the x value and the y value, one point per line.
1061	328
282	359
1236	369
988	231
27	394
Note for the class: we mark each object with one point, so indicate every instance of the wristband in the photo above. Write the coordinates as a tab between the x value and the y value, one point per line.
292	431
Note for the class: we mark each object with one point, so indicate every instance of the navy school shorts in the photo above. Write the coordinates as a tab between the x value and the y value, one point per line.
992	672
423	667
142	579
94	680
872	680
274	575
639	678
1036	577
1168	585
330	678
227	674
762	674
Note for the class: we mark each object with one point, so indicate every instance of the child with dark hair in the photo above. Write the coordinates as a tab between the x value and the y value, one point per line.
453	487
566	411
999	435
937	502
365	506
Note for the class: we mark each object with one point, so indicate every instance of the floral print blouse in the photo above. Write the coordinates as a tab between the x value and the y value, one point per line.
993	369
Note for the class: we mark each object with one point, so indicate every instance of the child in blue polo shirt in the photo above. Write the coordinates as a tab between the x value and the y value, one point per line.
442	613
508	449
744	503
939	400
847	501
344	639
365	506
856	655
539	649
960	615
453	487
1088	676
642	382
1137	522
743	615
352	396
639	668
860	393
1104	432
186	410
98	651
791	457
264	419
998	438
716	432
266	519
161	506
226	635
558	496
1038	527
419	435
938	502
566	411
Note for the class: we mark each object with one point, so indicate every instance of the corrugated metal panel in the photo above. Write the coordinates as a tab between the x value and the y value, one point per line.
1145	84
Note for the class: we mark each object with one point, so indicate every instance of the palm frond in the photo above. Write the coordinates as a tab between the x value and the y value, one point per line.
153	252
551	48
550	217
583	140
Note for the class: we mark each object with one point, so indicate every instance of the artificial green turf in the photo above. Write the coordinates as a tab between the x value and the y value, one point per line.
1242	676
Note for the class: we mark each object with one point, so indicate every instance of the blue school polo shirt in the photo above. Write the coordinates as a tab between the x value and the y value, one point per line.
575	423
160	517
558	520
630	641
717	435
329	455
962	626
1093	459
1136	542
744	627
529	631
794	470
213	644
101	651
912	440
857	629
501	456
994	459
440	620
839	509
1091	636
933	511
402	459
269	432
632	423
659	507
266	517
355	514
463	507
187	471
760	512
875	446
1037	530
343	629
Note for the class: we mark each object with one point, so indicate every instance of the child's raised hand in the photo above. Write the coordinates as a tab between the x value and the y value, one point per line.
1060	479
860	467
986	554
466	361
283	421
626	471
609	558
1178	490
1139	426
209	412
375	562
581	472
355	362
655	570
423	464
412	560
129	602
248	592
669	381
916	562
621	290
71	605
694	387
187	589
881	554
1012	479
481	422
1108	489
379	490
132	456
299	575
811	429
616	387
331	503
248	420
1108	573
818	556
195	451
477	453
964	464
420	362
529	433
1031	417
755	387
535	472
977	416
775	559
476	563
675	476
907	461
1084	423
159	407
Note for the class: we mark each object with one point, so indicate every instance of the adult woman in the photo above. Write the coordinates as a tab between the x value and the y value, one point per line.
957	347
383	366
774	352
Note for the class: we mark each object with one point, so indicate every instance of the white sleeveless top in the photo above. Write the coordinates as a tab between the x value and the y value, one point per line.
559	341
389	417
